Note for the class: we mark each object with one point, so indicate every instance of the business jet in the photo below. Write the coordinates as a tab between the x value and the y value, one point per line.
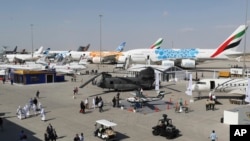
227	85
62	66
25	57
63	53
185	58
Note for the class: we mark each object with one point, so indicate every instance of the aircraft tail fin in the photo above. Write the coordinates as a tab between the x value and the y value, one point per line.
42	60
83	60
46	52
232	41
39	51
83	48
139	94
121	47
157	44
15	50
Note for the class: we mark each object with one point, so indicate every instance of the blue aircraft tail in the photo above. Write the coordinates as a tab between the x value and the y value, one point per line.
46	52
121	47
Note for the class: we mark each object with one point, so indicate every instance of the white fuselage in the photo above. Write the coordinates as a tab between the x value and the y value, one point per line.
221	85
140	55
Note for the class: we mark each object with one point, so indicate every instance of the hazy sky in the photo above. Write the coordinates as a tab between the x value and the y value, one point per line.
67	24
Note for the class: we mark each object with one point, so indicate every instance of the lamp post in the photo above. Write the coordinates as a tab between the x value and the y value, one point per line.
100	37
31	27
244	54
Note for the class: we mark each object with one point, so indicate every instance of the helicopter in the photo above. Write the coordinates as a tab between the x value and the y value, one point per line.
145	80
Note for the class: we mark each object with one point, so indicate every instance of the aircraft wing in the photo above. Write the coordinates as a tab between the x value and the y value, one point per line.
238	91
235	55
111	58
64	71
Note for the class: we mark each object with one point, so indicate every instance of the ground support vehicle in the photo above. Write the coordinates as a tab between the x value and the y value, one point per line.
165	128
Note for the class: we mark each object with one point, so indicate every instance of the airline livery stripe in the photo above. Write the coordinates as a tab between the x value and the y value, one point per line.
226	45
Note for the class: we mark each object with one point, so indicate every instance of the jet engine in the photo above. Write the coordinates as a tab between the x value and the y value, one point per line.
122	59
96	60
167	63
187	63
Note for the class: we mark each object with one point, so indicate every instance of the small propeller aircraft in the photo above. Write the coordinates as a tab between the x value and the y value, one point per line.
139	97
144	80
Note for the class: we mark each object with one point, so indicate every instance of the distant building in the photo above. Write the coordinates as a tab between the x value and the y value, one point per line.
27	77
166	73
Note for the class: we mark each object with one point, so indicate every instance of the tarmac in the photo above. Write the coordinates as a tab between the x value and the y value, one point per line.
62	111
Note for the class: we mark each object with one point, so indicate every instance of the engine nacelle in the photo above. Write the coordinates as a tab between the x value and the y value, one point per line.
96	60
187	63
167	63
121	59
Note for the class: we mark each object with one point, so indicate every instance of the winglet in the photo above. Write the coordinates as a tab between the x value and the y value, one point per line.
157	44
232	41
120	47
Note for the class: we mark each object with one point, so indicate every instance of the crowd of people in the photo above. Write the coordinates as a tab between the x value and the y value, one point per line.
97	102
32	108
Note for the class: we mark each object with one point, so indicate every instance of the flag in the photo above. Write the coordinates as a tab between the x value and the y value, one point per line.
247	99
189	88
157	80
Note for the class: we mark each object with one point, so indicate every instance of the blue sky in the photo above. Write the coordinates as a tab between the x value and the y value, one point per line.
67	24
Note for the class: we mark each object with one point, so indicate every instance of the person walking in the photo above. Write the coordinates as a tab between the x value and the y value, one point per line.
81	137
37	93
114	101
42	112
100	105
213	136
82	106
76	138
93	102
1	123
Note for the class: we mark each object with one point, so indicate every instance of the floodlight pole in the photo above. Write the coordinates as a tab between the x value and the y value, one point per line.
32	50
100	39
244	54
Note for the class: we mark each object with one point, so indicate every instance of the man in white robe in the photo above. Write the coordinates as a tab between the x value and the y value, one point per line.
20	113
93	102
43	118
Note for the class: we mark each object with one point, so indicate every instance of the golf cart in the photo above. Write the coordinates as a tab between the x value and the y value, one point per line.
104	129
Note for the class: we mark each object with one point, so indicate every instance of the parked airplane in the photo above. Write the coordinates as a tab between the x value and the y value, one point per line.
25	57
186	58
64	53
94	56
10	51
139	97
228	85
63	67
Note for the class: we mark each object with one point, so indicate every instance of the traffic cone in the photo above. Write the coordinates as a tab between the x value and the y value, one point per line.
156	109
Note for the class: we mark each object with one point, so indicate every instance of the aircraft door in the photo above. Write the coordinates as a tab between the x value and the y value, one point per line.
212	85
148	60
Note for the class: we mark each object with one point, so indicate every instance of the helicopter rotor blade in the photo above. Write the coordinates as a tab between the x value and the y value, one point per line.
90	80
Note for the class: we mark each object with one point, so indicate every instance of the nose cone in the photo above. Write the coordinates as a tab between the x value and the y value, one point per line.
194	87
